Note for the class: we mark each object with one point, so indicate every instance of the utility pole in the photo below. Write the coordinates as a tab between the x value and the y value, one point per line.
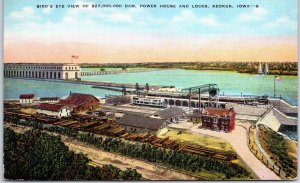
199	100
274	85
190	95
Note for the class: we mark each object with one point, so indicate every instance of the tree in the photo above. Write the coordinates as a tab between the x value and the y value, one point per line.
130	174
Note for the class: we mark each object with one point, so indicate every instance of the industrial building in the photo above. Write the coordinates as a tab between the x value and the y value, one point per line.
141	124
49	99
172	114
80	102
218	119
55	110
148	101
42	71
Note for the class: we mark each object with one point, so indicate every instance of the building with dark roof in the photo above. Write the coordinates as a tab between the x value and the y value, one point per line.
80	102
171	114
141	124
56	110
26	98
195	117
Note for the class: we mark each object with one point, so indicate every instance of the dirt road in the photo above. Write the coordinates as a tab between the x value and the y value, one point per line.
238	140
148	170
98	157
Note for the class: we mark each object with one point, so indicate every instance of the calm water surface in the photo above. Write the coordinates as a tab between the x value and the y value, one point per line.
228	82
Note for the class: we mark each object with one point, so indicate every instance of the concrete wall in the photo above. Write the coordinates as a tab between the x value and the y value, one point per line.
270	120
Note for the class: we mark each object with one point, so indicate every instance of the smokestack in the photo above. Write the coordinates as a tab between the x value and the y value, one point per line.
70	92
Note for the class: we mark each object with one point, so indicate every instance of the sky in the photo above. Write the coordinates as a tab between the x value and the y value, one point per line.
112	35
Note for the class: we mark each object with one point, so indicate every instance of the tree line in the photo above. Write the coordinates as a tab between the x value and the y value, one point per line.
283	68
172	158
35	155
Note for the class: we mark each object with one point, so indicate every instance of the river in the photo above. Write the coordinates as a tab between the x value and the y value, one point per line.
230	83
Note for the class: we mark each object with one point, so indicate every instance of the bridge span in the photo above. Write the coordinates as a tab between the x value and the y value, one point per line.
93	73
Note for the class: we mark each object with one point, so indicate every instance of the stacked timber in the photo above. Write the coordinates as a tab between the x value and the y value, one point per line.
203	151
170	144
116	131
102	128
65	123
150	138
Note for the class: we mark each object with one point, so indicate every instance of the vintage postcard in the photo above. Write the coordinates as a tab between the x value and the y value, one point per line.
150	90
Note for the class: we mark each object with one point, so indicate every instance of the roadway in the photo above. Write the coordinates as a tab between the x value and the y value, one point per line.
238	140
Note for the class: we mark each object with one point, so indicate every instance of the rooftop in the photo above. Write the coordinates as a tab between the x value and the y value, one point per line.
26	96
170	112
76	99
216	111
141	122
51	107
48	98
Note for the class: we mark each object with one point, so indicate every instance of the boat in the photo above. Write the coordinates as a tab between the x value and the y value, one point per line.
260	71
267	70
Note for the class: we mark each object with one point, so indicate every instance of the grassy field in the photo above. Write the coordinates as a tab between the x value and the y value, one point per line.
197	139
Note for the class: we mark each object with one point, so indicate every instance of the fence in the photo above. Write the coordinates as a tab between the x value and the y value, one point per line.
262	155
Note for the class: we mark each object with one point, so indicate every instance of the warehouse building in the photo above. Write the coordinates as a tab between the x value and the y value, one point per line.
55	110
49	99
140	124
80	102
149	101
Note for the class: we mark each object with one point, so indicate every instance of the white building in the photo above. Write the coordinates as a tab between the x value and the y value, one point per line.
55	110
147	101
49	99
26	98
43	71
